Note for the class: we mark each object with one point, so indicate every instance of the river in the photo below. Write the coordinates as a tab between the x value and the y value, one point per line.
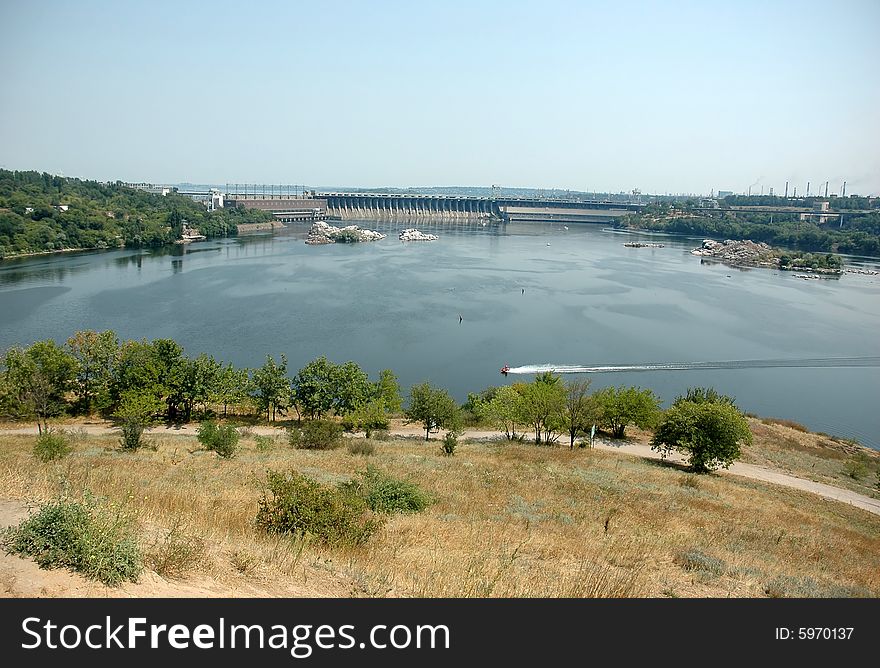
454	311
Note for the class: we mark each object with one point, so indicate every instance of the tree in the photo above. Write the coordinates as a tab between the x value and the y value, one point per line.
580	410
271	388
95	354
368	417
709	433
136	412
388	390
231	387
36	379
313	387
350	388
543	402
433	407
627	405
504	411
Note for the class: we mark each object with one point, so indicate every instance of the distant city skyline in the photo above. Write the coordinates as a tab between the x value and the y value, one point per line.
681	98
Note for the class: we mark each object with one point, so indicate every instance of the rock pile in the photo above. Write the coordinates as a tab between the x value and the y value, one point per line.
743	253
324	233
412	234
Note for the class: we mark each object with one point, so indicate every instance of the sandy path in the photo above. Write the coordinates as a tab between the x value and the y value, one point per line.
630	448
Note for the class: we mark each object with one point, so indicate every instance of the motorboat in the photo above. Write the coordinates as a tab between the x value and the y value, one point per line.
505	369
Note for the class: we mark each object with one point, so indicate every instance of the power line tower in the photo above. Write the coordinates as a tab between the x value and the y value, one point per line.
496	191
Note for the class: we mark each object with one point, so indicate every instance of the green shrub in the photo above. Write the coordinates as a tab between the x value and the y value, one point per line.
385	494
857	467
361	446
222	439
450	443
264	443
52	445
85	536
295	505
316	435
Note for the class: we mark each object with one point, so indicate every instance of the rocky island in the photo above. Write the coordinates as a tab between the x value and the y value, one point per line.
748	253
412	234
324	233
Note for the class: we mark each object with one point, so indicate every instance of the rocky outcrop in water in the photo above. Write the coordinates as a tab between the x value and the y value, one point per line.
412	234
324	233
745	253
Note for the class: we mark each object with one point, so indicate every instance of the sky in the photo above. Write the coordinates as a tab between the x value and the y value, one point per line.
666	97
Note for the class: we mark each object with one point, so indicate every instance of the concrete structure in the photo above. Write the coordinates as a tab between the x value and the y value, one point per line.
151	188
284	208
386	206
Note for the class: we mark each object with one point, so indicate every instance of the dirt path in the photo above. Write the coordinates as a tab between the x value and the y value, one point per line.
628	447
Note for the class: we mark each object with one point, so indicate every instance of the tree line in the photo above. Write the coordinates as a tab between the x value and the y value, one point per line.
43	212
139	382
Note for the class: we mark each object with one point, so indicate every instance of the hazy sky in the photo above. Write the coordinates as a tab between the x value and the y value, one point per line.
609	96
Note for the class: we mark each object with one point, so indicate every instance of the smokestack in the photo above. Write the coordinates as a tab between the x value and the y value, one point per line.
808	188
844	189
786	190
826	189
794	194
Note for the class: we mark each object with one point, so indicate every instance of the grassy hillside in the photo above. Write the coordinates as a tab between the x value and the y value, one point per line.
508	520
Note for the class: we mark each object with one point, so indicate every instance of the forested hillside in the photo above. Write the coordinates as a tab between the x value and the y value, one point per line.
33	217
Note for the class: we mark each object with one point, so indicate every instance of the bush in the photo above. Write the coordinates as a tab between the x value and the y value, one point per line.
450	443
361	446
295	505
52	445
222	439
709	434
385	494
381	435
175	553
857	467
316	435
87	537
264	443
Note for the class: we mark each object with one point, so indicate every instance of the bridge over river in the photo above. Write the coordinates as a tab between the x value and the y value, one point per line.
387	206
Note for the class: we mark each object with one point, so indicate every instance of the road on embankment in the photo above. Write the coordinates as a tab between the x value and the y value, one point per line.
751	471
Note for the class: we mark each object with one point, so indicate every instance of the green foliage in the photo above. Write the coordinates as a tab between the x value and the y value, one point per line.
708	433
801	260
36	379
135	414
450	443
857	467
264	443
542	406
433	408
271	387
95	354
52	445
623	406
322	386
704	395
295	505
503	409
367	418
580	411
388	391
100	215
316	435
222	439
386	494
86	536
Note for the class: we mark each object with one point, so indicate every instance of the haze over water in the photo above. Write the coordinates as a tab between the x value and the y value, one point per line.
529	295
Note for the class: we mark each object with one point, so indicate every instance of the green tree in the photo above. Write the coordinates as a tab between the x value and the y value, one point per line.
627	405
135	414
581	409
368	417
543	403
231	387
95	354
433	408
313	387
504	411
37	378
388	390
350	388
271	387
708	433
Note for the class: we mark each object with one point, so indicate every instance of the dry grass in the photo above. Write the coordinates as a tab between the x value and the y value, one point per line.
778	444
510	520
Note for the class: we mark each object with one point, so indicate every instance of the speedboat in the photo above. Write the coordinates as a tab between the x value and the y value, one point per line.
505	369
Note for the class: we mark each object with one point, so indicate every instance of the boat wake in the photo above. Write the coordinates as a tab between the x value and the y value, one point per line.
809	363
